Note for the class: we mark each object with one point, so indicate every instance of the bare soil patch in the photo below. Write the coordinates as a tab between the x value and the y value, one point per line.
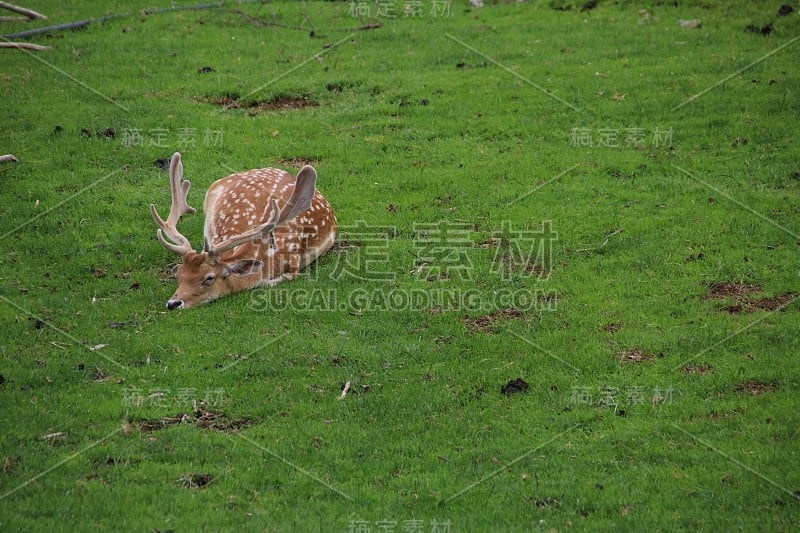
298	162
727	289
486	323
774	303
195	481
278	103
636	355
743	302
204	419
514	386
755	387
698	369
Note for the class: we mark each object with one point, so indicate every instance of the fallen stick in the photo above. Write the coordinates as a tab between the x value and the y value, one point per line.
198	7
101	20
26	46
10	158
58	27
345	390
370	26
31	14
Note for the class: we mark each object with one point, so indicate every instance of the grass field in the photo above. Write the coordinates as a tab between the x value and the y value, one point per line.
594	203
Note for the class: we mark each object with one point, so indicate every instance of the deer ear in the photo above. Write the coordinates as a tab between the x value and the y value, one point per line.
242	268
304	188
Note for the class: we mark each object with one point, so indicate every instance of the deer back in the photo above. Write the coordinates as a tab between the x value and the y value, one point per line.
240	202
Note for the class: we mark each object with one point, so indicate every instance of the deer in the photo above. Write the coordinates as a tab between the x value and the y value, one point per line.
262	227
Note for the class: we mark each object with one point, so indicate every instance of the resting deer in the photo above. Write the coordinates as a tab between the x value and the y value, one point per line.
262	226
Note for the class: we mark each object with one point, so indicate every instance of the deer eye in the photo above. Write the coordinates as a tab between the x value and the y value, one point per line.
209	279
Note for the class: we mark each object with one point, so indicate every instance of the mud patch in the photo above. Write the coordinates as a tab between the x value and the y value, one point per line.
203	419
613	327
635	355
755	387
487	323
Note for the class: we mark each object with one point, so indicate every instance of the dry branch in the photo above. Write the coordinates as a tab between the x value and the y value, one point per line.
345	390
26	46
29	13
369	26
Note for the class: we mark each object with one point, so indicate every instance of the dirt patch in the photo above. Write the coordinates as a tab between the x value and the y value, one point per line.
162	163
278	103
727	289
345	244
486	323
298	162
204	419
514	386
195	481
613	327
635	355
547	503
755	387
743	302
698	369
283	103
228	101
766	29
774	303
10	463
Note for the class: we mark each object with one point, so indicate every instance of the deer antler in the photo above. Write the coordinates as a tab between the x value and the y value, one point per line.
304	188
180	206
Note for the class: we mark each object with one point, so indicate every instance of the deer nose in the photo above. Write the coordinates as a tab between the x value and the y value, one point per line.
174	304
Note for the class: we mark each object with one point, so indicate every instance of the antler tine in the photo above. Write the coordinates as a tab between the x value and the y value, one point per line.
264	229
180	206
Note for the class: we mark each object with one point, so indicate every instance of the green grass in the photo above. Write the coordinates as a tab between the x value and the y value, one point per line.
411	128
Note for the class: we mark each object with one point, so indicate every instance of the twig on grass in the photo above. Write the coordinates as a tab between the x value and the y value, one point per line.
28	13
601	245
83	23
345	390
369	26
25	46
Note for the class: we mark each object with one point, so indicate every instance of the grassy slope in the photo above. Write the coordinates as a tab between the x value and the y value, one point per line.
433	421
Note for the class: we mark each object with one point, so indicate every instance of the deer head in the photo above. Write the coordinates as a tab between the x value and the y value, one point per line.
247	256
